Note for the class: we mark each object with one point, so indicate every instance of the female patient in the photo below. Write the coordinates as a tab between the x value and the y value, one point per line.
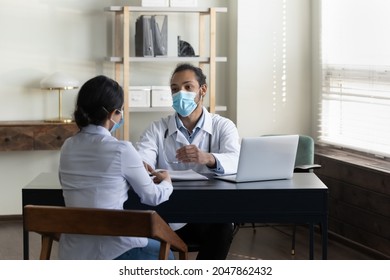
96	170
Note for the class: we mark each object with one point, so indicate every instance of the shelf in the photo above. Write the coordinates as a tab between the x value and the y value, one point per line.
117	59
165	9
34	135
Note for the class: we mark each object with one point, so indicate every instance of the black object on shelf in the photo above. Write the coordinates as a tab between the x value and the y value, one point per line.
184	48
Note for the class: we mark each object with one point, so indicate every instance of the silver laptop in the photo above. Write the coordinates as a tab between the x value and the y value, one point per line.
265	158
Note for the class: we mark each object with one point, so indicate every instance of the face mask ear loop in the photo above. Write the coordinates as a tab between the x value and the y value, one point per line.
201	97
104	108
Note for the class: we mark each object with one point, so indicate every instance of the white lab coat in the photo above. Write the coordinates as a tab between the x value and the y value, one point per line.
159	142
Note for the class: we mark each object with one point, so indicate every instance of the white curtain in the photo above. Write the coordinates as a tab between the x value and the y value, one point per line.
355	58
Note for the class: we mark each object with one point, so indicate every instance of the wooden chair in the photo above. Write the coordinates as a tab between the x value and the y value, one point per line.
51	221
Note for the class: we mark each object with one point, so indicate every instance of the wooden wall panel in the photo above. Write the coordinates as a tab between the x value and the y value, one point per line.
359	197
363	238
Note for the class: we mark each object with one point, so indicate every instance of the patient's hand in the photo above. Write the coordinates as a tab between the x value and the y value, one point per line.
160	176
148	168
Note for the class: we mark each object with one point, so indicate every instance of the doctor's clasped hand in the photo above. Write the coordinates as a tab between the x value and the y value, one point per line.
191	153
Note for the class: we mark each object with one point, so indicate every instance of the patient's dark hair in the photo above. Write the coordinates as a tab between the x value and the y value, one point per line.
200	77
96	98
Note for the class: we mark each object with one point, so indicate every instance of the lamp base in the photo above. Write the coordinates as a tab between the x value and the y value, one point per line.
59	120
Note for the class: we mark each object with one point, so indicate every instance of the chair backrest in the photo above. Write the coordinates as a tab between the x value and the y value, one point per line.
305	151
304	161
50	221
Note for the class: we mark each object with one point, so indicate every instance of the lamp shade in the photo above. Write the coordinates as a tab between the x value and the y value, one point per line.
59	80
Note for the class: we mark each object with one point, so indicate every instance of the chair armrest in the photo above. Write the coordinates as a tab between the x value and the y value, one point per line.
306	167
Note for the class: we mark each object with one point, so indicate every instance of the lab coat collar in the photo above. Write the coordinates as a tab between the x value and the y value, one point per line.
208	122
207	126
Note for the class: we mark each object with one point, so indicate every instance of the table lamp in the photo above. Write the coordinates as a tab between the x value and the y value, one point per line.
59	81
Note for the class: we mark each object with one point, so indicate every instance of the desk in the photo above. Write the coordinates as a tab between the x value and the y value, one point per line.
302	200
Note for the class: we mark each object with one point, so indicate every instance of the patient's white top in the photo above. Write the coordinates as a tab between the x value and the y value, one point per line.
96	170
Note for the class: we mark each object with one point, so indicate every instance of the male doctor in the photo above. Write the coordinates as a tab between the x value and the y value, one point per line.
193	138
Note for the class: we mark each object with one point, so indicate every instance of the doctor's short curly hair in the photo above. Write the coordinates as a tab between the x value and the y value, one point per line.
200	77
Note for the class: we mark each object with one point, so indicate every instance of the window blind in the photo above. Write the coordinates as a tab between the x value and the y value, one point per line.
355	95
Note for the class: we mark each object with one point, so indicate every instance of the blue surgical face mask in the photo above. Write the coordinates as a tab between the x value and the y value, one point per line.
184	102
117	125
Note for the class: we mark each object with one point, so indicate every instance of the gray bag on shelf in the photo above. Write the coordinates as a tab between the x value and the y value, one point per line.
160	34
143	37
150	38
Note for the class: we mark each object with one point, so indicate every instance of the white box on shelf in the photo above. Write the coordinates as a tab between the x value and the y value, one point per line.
155	3
139	96
183	3
161	96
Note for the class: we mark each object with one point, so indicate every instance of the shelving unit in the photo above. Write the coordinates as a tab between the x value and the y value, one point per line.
122	57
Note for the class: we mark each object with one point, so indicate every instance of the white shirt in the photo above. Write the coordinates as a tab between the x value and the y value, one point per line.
159	142
96	170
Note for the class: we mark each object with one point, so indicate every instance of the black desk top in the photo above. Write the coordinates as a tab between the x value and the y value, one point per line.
306	181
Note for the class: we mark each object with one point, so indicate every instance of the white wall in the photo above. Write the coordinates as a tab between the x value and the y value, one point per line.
41	37
37	39
265	34
316	65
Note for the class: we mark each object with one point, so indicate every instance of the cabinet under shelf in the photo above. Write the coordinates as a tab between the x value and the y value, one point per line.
34	135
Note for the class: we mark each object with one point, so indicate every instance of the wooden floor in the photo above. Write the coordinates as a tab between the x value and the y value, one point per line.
267	243
274	243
